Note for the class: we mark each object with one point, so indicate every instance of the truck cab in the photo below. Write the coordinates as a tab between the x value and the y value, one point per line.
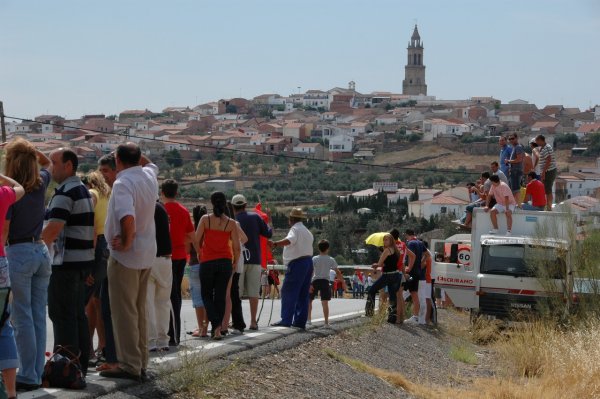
502	275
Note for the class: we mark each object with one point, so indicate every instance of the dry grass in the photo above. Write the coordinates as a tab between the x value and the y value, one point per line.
486	331
538	361
193	376
463	353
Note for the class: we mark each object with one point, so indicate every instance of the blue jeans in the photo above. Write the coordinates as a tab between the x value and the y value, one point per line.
392	282
195	286
295	292
29	268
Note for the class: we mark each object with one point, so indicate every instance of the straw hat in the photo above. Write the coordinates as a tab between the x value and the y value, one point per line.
297	213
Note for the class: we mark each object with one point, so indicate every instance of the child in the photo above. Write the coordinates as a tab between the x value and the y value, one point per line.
340	287
322	264
264	282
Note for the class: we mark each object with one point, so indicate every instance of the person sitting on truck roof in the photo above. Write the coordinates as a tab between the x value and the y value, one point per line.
482	192
505	203
535	192
495	168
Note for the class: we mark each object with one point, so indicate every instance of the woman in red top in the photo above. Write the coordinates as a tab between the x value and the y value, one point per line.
218	238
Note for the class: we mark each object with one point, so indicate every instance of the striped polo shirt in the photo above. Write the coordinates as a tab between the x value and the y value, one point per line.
72	205
544	152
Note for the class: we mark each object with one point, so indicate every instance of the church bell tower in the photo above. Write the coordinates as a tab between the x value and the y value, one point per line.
414	71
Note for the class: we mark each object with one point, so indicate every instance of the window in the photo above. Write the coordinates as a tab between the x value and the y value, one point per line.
522	260
443	209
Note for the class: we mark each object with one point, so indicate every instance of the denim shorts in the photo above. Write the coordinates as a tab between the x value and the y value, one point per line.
195	286
8	348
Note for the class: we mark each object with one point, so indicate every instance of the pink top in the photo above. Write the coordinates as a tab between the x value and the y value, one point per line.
500	192
7	198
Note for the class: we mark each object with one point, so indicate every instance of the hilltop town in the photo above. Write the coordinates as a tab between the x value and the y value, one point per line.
407	129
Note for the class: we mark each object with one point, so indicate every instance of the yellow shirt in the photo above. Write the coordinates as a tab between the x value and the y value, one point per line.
99	211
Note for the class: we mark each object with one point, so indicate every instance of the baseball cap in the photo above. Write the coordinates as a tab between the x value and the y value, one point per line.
238	200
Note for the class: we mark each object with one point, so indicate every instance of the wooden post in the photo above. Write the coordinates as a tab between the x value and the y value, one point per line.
2	125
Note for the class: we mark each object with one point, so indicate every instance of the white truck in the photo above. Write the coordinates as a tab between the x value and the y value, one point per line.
499	275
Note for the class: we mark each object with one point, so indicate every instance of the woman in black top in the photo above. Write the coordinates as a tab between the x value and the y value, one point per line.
390	277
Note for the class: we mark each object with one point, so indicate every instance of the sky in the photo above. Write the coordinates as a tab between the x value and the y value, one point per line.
73	57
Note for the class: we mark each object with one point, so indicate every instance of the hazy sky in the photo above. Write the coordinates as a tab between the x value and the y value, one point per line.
72	57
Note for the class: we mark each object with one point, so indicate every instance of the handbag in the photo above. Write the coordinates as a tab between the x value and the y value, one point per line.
63	370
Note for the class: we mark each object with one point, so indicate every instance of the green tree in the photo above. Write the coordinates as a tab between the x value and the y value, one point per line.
207	168
174	158
189	168
415	195
429	181
225	167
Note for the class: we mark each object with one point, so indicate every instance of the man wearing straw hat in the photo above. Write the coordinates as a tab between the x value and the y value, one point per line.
297	256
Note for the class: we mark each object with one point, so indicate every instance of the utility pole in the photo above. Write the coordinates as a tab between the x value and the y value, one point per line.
2	125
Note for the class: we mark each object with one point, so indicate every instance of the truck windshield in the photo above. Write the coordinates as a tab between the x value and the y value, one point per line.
522	260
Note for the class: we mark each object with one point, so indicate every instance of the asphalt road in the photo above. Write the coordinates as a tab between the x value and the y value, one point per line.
188	316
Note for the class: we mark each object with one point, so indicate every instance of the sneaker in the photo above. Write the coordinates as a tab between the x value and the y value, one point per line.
508	233
309	323
494	231
412	319
326	325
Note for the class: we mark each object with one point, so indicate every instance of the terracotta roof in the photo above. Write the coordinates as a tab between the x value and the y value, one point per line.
589	128
542	124
448	200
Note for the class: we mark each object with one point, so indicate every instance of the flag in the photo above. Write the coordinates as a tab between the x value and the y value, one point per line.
265	251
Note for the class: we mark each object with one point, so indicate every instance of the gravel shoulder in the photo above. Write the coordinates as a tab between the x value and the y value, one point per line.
307	370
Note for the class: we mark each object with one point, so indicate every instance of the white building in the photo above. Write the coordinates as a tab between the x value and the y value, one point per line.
341	143
452	202
316	99
441	127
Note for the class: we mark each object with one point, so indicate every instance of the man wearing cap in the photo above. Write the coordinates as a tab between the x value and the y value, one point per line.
249	279
297	256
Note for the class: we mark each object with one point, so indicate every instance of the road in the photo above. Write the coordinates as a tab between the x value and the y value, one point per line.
188	316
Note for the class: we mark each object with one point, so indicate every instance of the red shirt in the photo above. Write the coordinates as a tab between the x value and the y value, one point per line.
7	198
180	223
535	188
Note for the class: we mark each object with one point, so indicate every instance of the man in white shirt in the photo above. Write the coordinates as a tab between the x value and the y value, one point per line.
130	233
297	256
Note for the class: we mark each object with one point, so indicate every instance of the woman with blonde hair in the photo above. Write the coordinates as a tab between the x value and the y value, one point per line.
390	277
28	257
100	192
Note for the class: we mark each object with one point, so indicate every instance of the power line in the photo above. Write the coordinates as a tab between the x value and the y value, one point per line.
248	152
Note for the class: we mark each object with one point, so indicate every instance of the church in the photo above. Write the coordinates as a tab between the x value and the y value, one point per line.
414	71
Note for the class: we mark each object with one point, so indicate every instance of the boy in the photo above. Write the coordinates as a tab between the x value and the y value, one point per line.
322	264
505	203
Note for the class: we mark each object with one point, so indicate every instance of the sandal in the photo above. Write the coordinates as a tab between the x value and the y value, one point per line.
213	334
106	366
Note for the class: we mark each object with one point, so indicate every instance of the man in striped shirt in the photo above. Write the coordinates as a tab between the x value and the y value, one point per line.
547	165
71	225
